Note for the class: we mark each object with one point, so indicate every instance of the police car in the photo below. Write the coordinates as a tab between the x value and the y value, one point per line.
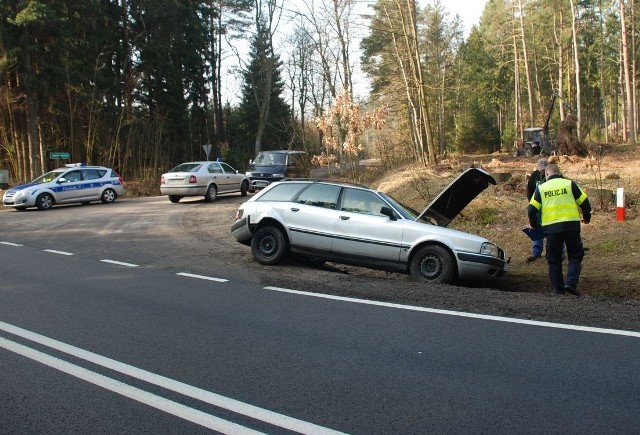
74	183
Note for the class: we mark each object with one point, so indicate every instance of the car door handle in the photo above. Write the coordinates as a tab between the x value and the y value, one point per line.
294	209
344	218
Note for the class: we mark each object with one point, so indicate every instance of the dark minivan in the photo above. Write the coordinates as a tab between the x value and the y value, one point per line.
270	166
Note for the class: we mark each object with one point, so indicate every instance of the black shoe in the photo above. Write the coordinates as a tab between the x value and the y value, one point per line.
533	258
558	292
572	291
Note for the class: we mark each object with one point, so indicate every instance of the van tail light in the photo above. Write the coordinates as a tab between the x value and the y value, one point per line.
193	179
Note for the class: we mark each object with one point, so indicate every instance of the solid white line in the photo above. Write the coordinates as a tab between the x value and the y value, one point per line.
207	278
233	405
53	251
461	313
10	244
119	263
158	402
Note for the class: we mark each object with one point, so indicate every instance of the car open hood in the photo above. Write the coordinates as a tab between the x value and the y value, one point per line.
457	195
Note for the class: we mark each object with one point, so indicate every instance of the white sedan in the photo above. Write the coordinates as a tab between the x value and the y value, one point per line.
208	179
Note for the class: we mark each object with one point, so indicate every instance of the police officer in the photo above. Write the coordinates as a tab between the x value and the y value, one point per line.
557	205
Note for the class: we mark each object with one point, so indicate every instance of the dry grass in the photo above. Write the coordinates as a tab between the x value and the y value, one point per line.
610	268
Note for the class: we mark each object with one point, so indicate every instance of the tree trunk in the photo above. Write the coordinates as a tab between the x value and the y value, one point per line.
631	124
574	32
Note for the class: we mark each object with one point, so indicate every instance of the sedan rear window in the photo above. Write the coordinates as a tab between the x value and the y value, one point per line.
187	167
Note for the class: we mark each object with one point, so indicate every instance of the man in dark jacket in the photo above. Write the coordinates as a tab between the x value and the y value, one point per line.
557	206
536	178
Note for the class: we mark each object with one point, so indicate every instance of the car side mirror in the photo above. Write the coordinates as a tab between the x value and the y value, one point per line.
62	180
386	211
251	161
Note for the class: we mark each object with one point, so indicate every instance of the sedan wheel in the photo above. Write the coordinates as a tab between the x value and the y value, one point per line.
433	264
174	198
244	188
211	194
44	201
108	196
268	245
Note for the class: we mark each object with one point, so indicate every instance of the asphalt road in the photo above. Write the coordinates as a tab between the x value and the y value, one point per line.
112	321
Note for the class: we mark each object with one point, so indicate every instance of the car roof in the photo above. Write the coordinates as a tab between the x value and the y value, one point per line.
457	195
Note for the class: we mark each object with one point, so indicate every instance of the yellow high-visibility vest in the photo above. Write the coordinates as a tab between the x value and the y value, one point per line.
558	204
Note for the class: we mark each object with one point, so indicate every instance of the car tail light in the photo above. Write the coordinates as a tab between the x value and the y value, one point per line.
193	179
162	179
239	213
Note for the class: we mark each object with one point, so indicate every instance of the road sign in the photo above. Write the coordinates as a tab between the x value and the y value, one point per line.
207	149
56	155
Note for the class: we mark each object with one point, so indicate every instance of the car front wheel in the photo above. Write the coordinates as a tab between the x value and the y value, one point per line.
433	264
244	188
44	201
108	196
268	245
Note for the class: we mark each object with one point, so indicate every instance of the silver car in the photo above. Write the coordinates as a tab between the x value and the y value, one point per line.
208	179
74	183
350	224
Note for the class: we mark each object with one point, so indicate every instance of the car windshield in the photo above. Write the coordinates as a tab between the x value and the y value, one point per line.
406	211
47	178
267	158
187	167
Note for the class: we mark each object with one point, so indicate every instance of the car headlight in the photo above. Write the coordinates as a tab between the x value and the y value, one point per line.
248	174
277	175
489	249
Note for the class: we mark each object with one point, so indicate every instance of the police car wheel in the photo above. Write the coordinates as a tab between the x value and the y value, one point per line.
44	201
109	196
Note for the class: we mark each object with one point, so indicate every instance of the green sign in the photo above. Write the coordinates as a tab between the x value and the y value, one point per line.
59	155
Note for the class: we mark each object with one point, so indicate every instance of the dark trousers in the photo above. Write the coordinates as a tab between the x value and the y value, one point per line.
575	253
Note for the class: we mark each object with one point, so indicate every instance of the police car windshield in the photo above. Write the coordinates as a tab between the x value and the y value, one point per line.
47	178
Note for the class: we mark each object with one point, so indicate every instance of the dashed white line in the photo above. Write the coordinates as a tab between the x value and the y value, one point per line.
53	251
10	244
207	278
461	313
119	263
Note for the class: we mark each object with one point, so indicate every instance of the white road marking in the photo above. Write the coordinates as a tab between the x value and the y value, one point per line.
53	251
214	399
158	402
10	244
119	263
207	278
461	313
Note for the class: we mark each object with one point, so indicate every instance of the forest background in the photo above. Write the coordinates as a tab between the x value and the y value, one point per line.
137	84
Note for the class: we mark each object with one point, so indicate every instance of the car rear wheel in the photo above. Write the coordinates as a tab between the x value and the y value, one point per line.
212	194
268	245
44	201
108	196
244	188
433	263
174	198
